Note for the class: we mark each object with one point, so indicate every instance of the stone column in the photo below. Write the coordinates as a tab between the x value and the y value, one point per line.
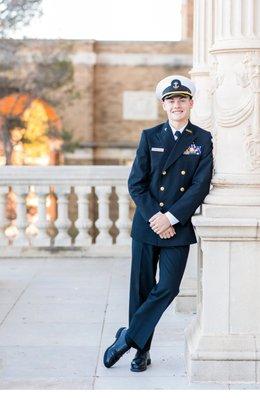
201	115
200	73
223	344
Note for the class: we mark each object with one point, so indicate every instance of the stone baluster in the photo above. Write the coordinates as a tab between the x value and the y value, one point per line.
103	223
3	238
63	222
123	222
42	239
83	222
21	215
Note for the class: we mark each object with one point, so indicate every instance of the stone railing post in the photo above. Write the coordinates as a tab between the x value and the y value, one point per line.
3	194
42	238
63	222
83	222
123	223
103	223
21	222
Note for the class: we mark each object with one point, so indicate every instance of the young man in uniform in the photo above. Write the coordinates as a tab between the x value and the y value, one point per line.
169	180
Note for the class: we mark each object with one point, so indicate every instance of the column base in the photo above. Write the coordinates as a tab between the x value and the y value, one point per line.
186	301
223	343
221	358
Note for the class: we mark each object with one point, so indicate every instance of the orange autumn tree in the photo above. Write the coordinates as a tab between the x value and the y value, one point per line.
29	125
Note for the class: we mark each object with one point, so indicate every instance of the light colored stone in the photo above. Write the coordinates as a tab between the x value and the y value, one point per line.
103	178
139	105
51	334
62	351
90	312
220	345
47	384
170	60
225	371
4	309
201	113
56	362
186	300
151	383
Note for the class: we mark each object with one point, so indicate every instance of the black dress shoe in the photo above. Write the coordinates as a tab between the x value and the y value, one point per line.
140	362
117	349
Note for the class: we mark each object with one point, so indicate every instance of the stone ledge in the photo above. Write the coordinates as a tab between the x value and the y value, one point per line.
227	228
94	251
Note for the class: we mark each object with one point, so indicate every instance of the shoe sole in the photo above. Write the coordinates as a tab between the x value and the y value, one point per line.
116	336
141	370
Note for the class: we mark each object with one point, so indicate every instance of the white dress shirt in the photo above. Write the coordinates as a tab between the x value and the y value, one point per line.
173	220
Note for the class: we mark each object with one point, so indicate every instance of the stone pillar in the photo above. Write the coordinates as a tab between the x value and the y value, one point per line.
223	343
200	73
201	115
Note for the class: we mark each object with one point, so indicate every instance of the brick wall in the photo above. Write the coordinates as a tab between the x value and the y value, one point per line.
103	91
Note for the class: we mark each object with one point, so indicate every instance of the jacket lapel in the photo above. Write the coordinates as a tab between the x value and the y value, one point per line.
166	139
187	137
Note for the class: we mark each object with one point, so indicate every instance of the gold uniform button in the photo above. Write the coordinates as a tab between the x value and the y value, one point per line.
182	189
183	172
164	173
161	204
162	188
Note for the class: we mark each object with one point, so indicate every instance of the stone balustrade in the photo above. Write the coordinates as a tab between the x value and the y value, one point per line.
96	222
73	211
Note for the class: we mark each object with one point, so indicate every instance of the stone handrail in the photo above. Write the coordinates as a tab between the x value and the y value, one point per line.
30	235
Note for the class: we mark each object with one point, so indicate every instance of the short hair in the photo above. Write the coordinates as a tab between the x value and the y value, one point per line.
170	96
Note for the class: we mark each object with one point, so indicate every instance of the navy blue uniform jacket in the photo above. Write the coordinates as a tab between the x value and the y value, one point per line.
170	176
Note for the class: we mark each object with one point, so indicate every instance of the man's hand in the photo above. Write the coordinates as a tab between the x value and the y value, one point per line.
170	232
159	223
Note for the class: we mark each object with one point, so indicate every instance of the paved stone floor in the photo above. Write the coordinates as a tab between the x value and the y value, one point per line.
57	317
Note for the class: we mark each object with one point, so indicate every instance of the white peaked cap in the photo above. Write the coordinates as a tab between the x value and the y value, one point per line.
175	84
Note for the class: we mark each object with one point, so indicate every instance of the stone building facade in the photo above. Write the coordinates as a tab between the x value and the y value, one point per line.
103	91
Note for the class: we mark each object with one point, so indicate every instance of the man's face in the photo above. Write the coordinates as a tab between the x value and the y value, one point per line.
178	108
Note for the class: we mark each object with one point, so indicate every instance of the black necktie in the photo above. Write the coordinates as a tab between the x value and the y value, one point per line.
177	135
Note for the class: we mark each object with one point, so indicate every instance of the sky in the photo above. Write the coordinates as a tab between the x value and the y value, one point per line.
107	20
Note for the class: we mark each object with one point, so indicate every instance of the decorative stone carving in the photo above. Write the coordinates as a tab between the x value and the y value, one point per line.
222	344
252	141
228	117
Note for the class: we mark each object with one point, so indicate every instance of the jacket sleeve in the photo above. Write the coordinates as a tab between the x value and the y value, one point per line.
138	182
187	204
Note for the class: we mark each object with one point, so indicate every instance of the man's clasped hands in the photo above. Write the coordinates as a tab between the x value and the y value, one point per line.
161	225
